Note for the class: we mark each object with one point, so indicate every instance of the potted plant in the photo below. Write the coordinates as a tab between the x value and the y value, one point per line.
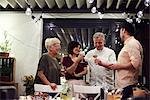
29	84
66	93
5	46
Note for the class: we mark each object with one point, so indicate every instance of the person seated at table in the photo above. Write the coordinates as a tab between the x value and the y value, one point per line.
48	71
74	64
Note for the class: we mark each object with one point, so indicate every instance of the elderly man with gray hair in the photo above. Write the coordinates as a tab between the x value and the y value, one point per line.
100	75
48	71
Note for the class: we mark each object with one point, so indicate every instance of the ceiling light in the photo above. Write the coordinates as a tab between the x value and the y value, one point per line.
28	11
94	10
90	1
147	3
117	28
123	14
51	25
130	20
140	14
138	20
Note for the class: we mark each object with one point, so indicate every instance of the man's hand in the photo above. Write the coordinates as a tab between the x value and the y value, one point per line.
53	86
114	66
98	61
103	63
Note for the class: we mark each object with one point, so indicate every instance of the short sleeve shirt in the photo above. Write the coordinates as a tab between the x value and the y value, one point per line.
51	69
131	52
67	62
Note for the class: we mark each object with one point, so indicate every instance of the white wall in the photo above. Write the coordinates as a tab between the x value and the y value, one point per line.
25	35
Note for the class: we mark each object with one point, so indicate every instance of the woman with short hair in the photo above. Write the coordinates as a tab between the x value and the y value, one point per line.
49	70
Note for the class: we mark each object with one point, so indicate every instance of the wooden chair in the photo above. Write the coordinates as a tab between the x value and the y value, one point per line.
47	89
80	90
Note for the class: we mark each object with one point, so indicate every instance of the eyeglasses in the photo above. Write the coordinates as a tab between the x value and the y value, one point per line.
57	45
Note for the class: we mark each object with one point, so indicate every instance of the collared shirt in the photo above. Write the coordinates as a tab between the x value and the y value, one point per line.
131	52
101	75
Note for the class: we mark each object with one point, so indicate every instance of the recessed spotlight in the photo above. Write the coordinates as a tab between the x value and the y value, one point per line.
129	20
140	14
147	3
138	20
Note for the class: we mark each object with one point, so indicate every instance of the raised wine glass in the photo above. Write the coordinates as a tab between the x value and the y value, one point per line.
83	54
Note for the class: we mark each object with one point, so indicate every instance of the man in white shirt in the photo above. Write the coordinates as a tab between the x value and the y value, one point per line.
100	75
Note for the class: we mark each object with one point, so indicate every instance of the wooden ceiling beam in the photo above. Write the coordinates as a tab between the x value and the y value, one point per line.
21	3
118	4
3	3
80	3
70	3
128	3
50	3
99	3
60	3
32	3
109	3
12	3
40	3
88	4
137	5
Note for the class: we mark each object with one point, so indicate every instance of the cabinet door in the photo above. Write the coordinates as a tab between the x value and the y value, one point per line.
6	69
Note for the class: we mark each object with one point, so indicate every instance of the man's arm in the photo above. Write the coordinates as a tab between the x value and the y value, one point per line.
114	66
120	66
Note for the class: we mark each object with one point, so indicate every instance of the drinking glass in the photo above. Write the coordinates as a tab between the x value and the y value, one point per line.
83	54
94	55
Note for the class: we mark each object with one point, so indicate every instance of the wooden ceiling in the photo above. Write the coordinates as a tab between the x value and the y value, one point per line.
108	6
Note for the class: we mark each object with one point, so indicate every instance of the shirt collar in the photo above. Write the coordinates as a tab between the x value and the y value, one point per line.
99	50
127	40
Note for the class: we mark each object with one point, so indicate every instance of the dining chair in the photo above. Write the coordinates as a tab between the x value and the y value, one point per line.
8	93
47	89
80	90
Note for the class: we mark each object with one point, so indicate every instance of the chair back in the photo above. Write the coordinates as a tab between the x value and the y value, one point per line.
80	90
8	93
47	89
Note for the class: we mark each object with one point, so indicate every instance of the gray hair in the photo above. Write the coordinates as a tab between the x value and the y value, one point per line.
99	35
51	41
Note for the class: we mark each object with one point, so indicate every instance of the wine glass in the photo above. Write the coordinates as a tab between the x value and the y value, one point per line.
83	54
94	54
